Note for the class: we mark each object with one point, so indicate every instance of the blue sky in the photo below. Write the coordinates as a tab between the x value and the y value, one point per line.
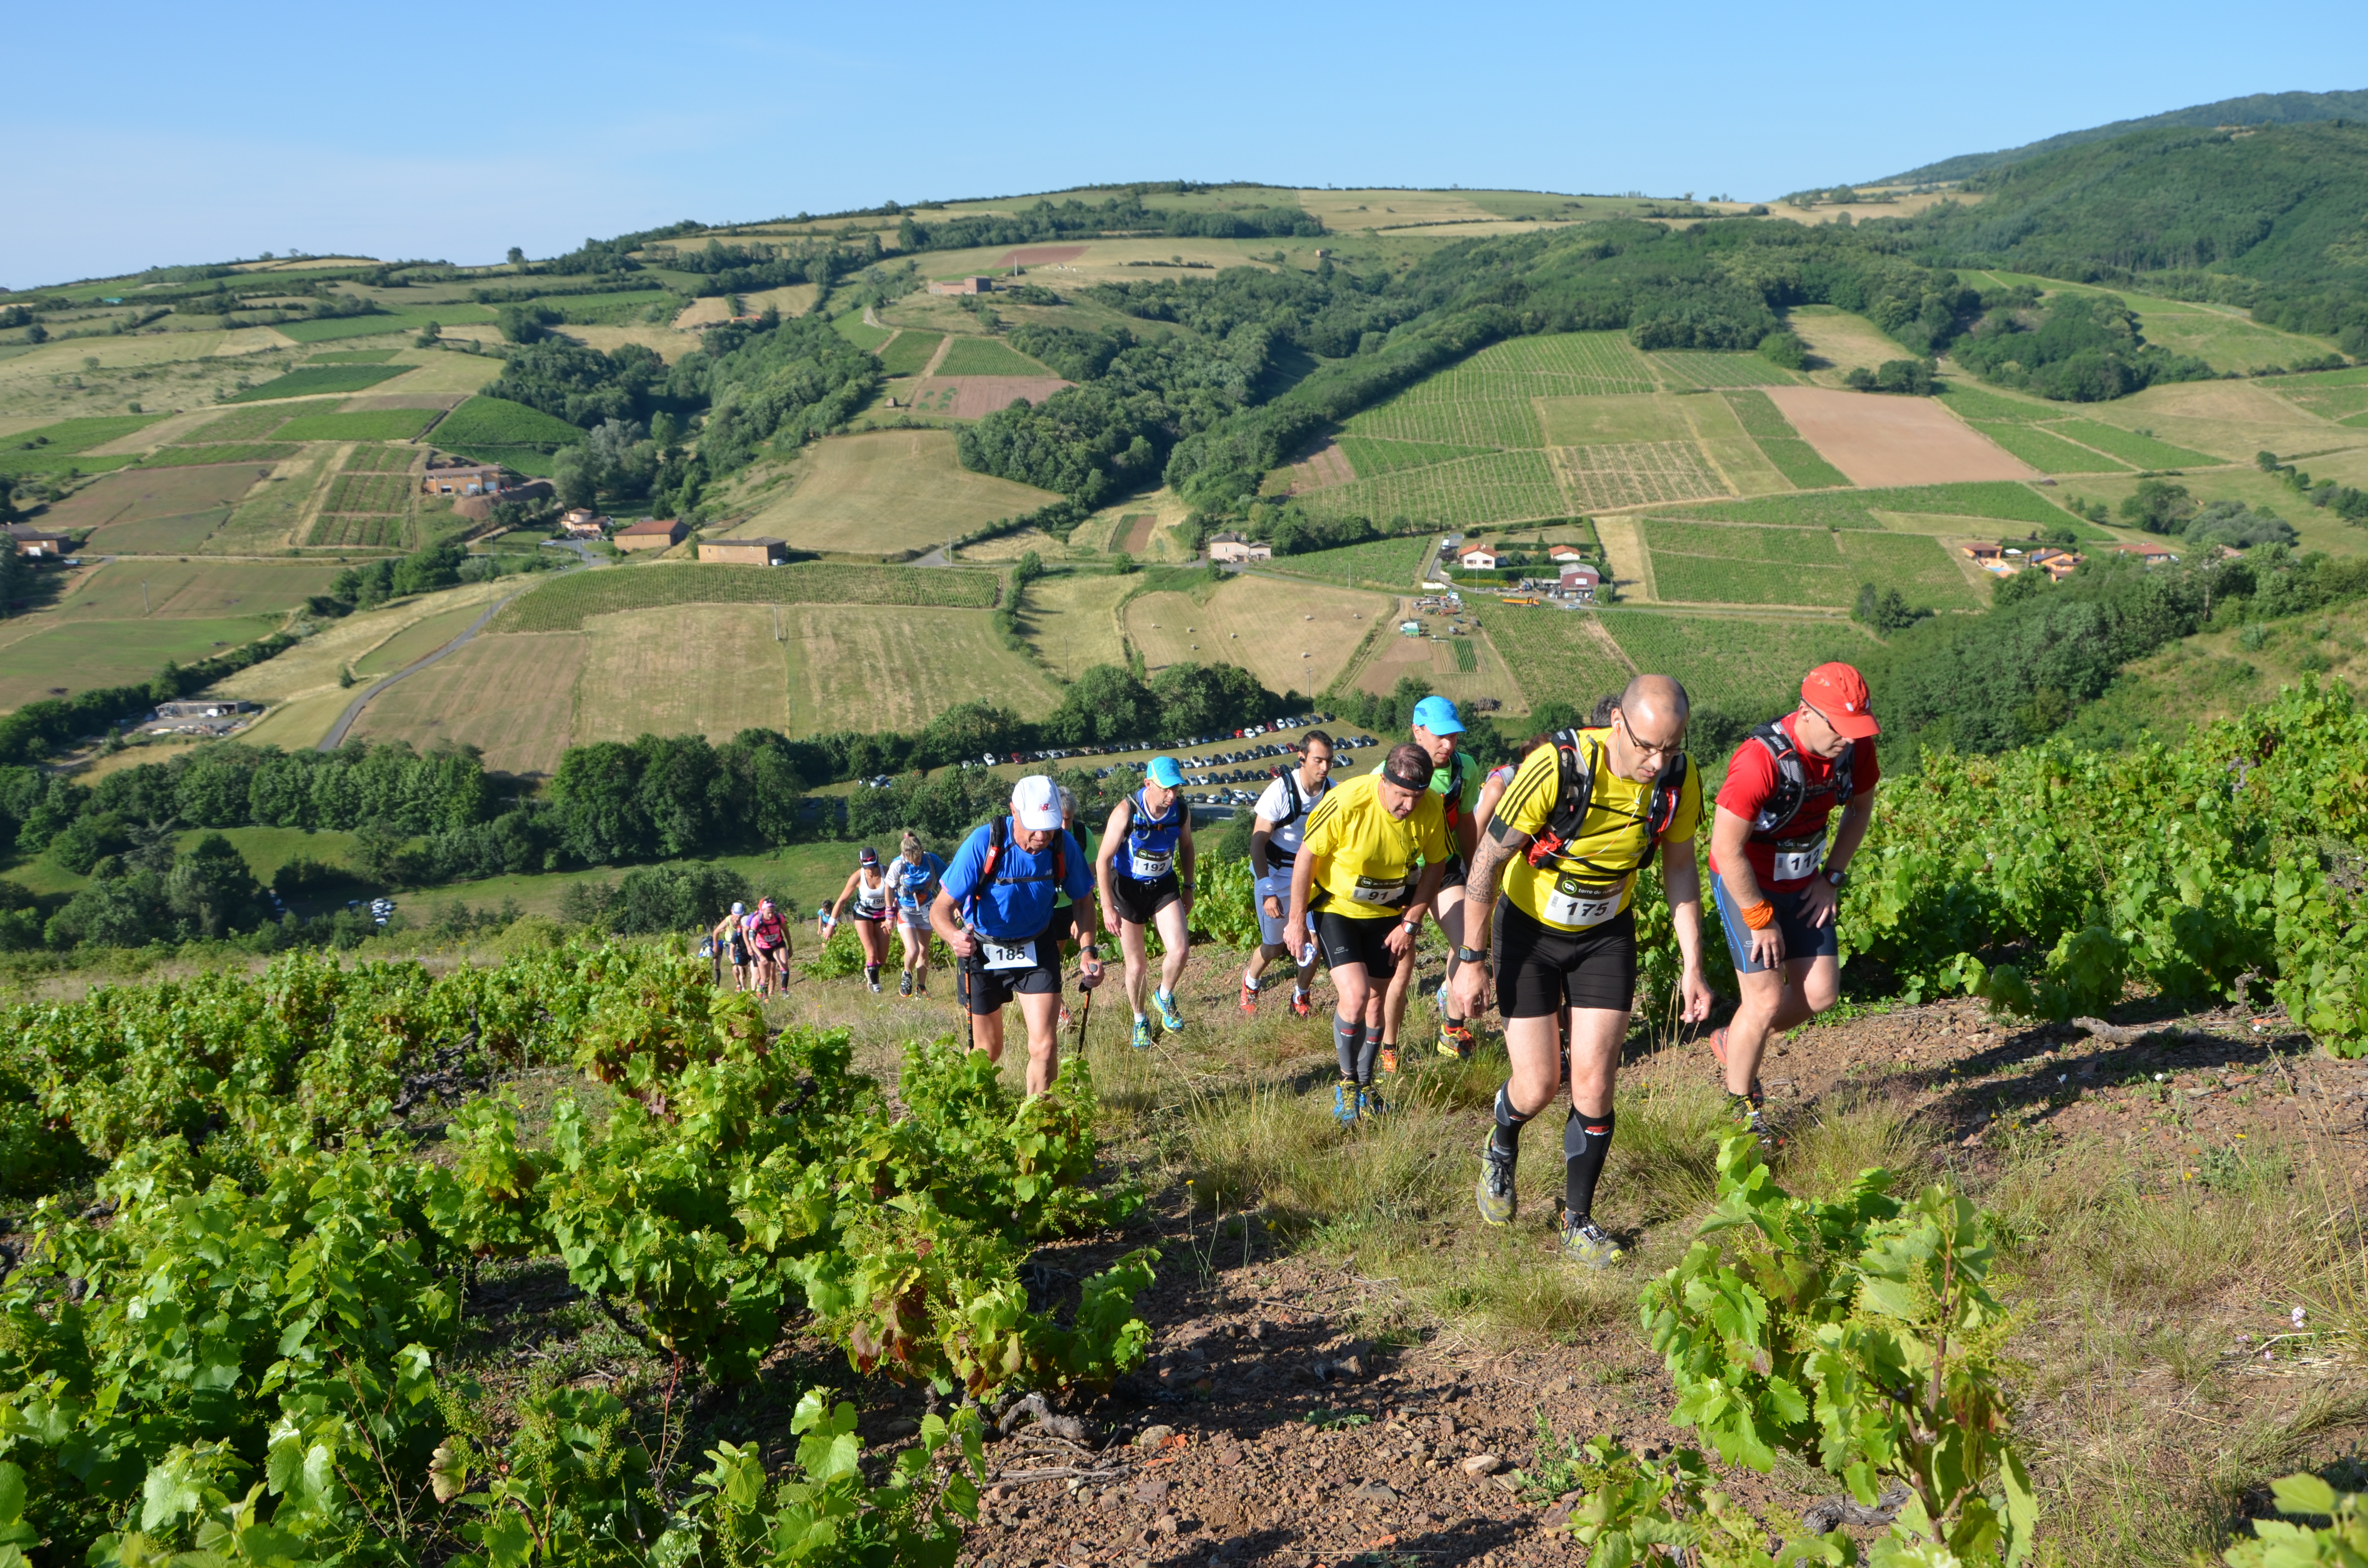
159	135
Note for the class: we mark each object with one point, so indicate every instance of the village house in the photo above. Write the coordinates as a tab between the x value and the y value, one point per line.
745	551
1565	554
1232	550
2057	563
33	543
962	286
462	478
1479	558
651	533
583	523
2146	550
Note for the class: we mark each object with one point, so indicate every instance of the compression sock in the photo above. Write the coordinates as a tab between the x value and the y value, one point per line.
1348	1038
872	973
1509	1122
1366	1058
1585	1141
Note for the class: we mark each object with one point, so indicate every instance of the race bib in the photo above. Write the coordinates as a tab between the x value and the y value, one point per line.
1797	858
1148	866
1387	892
1574	903
998	956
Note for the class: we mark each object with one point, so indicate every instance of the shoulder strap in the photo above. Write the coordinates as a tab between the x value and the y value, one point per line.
1782	806
1575	792
1669	789
1291	792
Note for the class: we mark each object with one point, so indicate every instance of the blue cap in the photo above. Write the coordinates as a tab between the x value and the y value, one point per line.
1438	715
1163	772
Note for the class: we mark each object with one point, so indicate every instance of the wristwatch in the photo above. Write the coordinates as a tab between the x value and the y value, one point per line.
1413	927
1838	878
1471	955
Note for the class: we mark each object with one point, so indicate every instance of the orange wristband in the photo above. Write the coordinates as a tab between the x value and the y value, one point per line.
1760	915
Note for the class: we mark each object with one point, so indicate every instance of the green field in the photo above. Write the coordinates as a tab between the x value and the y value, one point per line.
1556	653
69	436
1751	668
380	493
986	356
361	531
562	604
2143	451
245	424
1717	564
910	352
1773	434
1699	369
324	329
498	422
351	357
370	425
370	459
851	328
81	657
608	310
237	453
1372	455
1485	423
50	459
1562	364
1804	547
1971	403
2046	452
1388	563
316	380
1999	498
1466	492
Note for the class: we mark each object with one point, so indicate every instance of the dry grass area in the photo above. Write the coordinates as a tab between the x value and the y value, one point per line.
2231	418
1883	440
712	670
1437	663
1839	341
313	666
976	397
879	667
1293	636
884	493
663	341
1073	621
149	496
169	590
511	696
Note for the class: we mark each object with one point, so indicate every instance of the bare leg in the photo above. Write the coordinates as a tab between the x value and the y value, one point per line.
1178	935
1041	1010
986	1034
1774	1001
1138	962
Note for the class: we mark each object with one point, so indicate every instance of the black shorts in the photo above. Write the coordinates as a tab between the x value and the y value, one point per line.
985	991
1452	875
1540	971
1136	903
1346	940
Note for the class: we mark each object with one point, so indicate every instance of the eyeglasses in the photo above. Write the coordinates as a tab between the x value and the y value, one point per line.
1651	748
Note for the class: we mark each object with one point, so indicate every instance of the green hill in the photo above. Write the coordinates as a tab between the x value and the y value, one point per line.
2254	109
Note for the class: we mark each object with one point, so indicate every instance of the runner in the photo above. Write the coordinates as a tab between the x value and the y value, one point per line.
1455	779
769	947
730	939
1280	819
1370	864
1155	827
914	877
867	885
1767	837
1580	818
995	909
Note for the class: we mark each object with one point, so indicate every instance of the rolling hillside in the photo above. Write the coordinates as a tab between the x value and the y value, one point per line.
2254	109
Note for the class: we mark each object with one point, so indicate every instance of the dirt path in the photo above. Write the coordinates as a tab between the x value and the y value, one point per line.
1624	552
337	736
1609	645
936	359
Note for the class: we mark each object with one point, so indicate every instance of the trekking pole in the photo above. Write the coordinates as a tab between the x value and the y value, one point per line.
1085	1010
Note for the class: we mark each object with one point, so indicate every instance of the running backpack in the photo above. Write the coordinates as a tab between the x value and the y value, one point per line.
998	836
1576	760
1792	784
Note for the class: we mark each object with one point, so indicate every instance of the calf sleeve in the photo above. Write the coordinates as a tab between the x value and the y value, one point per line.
1365	1061
1509	1122
1585	1141
1348	1038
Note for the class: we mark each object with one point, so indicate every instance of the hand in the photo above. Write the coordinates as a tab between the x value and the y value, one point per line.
964	944
1089	972
1766	946
1695	990
1400	941
1110	919
1470	990
1273	908
1821	900
1185	898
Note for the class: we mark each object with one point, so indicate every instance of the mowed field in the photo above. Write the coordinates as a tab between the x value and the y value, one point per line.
712	670
154	510
1072	622
1293	636
886	493
1460	667
69	658
193	590
512	697
892	667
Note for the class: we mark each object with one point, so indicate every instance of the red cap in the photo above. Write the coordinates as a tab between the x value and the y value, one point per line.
1839	694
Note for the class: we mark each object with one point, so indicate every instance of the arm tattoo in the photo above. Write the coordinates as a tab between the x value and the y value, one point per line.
1480	879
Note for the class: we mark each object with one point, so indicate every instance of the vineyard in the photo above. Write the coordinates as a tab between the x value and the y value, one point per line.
1373	456
241	1348
563	603
1466	492
1471	424
1687	368
239	452
2049	454
1747	668
498	422
315	380
369	457
2001	499
1794	459
1634	473
367	425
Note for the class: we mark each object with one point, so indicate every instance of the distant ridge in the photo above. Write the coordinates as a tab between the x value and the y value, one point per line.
2257	108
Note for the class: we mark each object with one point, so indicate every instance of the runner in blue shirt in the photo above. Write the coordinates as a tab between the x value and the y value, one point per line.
995	909
1145	871
913	878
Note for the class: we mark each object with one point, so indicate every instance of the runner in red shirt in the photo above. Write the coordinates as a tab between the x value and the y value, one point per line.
1777	881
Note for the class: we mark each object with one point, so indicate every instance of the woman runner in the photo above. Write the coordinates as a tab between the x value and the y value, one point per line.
768	944
1155	830
731	939
914	874
867	888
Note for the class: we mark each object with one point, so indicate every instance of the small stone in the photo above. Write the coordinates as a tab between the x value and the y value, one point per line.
1350	1366
1165	1524
1375	1492
1152	1436
997	1494
1513	1480
1481	1464
1226	1455
1110	1501
1150	1491
903	1426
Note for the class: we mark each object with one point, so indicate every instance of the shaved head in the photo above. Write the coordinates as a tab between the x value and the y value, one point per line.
1654	704
1649	727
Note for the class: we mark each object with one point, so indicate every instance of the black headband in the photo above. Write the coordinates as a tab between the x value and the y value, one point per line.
1390	777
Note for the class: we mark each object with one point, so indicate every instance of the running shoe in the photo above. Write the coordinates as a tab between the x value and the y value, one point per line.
1170	1020
875	988
1588	1244
1753	1114
1371	1108
1497	1201
1300	1008
1390	1061
1250	999
1455	1039
1141	1040
1347	1102
920	983
905	986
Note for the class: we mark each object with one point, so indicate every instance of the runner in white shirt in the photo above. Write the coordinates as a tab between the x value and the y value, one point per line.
1274	844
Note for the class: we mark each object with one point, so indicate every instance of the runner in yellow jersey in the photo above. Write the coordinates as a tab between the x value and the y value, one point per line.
1580	818
1368	867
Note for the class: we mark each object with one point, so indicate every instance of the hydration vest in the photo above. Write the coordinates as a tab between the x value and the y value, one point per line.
998	839
1768	824
1575	758
1146	835
1278	854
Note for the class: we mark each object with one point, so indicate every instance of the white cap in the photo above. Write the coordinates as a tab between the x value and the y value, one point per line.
1036	803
